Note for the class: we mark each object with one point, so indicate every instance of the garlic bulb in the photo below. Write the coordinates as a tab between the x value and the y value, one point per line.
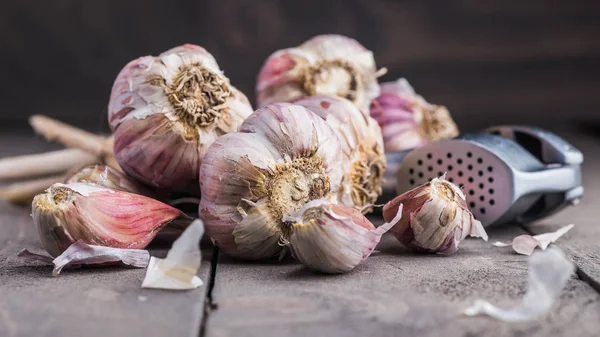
106	176
99	216
407	120
362	147
331	238
435	218
165	112
283	157
332	65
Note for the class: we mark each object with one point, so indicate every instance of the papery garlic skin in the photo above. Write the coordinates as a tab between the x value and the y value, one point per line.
99	216
165	112
283	157
332	65
106	176
331	238
435	218
362	147
407	120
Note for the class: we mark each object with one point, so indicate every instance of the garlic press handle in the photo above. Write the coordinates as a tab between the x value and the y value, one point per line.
546	146
551	180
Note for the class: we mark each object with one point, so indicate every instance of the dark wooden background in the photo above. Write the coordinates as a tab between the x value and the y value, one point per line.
489	61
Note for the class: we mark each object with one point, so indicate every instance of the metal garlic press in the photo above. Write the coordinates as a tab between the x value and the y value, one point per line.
508	173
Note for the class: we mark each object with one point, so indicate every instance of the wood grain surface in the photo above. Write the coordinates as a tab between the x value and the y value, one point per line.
489	61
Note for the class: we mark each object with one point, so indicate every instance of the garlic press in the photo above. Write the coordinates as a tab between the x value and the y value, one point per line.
508	173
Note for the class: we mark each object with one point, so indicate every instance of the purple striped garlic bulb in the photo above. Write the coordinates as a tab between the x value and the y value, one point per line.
332	238
362	148
407	120
283	157
332	65
435	218
165	112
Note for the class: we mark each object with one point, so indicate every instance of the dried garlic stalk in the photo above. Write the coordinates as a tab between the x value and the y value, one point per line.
283	157
167	110
178	270
407	120
331	65
362	146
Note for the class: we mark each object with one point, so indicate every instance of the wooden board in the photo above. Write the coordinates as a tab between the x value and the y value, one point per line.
102	301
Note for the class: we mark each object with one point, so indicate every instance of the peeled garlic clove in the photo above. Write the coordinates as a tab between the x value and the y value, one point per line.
283	157
165	112
435	218
99	216
331	65
106	176
331	238
362	147
407	120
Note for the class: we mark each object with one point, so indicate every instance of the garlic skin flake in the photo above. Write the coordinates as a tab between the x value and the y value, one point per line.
435	218
362	147
407	120
96	215
549	272
178	270
331	238
106	176
80	253
526	244
331	65
165	111
283	157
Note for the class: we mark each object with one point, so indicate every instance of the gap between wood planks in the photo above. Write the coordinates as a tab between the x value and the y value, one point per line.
209	305
582	275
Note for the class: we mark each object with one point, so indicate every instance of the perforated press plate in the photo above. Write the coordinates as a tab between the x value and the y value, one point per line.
485	179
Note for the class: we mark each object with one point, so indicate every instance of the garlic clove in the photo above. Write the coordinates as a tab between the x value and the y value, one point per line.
362	147
165	112
99	216
331	65
283	157
106	176
407	120
331	238
435	218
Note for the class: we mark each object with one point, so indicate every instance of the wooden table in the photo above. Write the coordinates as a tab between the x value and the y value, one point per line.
395	293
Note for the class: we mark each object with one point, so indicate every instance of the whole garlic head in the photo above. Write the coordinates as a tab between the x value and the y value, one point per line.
331	238
283	157
97	215
331	65
165	112
362	147
435	218
407	120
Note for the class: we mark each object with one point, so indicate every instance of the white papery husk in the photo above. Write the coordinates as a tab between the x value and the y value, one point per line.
178	270
549	272
526	244
362	146
283	157
331	238
332	65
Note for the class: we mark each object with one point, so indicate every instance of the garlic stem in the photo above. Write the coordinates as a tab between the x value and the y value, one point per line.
43	164
71	136
23	192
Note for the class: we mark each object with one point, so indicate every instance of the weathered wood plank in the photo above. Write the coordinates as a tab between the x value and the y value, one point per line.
101	301
583	241
395	293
